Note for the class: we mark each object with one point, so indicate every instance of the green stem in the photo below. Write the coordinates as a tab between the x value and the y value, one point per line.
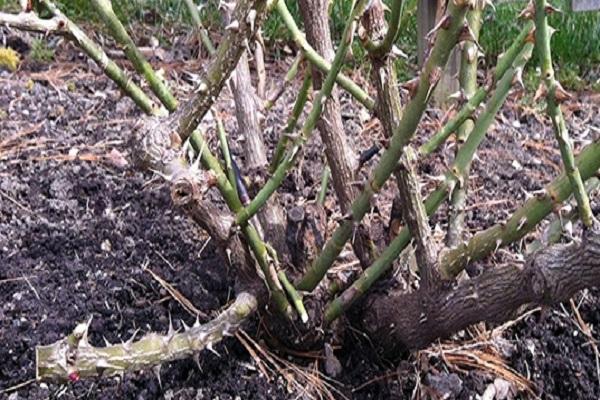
289	77
229	193
292	121
141	65
483	243
294	296
222	135
109	67
463	158
503	64
468	85
319	61
324	183
290	156
432	71
523	220
73	357
542	37
204	37
554	231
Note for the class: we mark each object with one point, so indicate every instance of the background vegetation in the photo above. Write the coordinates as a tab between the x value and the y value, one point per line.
575	45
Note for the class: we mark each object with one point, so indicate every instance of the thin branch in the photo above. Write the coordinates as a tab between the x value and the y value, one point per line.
60	24
287	80
141	65
202	32
503	64
447	37
246	18
468	86
542	35
319	61
435	199
290	157
292	121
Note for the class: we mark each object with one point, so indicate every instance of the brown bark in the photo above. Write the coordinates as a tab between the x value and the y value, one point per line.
247	117
411	321
389	104
188	189
383	73
271	216
415	216
340	157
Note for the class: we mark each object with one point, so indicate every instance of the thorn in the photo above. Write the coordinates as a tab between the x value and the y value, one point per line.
196	358
106	342
202	87
498	244
522	223
528	12
172	330
156	370
185	326
489	3
458	96
197	322
550	9
234	26
196	164
560	94
209	347
226	6
518	78
81	332
443	24
540	92
251	18
397	52
129	342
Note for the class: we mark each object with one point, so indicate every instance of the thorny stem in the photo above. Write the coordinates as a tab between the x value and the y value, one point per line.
468	85
256	244
289	77
446	38
523	220
204	37
558	225
73	357
246	17
222	135
141	65
319	61
542	35
290	156
435	199
110	68
503	64
324	184
480	245
292	121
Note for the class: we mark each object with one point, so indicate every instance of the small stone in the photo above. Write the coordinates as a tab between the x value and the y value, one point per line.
106	246
446	386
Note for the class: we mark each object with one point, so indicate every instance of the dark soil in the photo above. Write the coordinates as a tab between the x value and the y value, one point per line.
78	227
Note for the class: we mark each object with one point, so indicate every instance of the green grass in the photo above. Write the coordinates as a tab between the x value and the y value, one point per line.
40	52
575	45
